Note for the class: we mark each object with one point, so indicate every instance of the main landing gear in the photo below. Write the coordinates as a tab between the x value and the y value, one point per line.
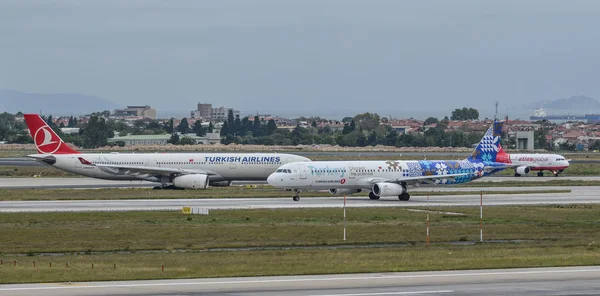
373	196
167	187
404	196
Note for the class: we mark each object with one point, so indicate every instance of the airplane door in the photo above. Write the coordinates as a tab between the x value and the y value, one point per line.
151	163
302	171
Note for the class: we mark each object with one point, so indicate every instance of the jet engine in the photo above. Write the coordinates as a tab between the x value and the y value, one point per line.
388	189
196	181
522	170
344	191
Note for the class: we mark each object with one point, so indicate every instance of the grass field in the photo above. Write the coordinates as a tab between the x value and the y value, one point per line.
211	192
306	241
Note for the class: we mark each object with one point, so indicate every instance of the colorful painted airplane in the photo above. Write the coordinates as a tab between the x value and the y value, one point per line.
525	163
171	170
392	177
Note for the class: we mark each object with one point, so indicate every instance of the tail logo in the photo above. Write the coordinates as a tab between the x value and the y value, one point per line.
45	141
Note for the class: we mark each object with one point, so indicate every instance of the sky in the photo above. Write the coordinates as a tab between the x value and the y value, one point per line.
311	57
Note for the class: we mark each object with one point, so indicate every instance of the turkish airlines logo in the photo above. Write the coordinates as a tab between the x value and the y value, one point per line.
46	141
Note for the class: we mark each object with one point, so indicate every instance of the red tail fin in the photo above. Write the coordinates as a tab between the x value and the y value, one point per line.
45	139
502	156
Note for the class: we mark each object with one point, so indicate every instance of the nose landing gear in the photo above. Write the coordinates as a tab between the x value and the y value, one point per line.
296	195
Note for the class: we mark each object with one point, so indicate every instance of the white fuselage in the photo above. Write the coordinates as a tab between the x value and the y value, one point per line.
325	175
220	166
540	162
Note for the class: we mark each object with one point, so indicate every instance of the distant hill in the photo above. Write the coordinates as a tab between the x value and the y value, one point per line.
572	103
55	104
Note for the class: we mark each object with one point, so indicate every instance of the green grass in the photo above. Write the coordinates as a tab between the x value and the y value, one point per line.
211	192
113	231
292	262
554	236
33	171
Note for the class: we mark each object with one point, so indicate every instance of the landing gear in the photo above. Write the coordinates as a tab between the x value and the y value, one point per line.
404	196
373	196
166	187
556	174
296	195
517	175
540	174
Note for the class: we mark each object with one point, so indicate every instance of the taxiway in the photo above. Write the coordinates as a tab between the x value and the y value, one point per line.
523	281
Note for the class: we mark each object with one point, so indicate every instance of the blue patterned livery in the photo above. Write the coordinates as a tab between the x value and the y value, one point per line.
391	177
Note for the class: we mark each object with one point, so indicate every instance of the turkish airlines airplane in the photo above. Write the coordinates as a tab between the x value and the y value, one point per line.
171	170
525	163
392	177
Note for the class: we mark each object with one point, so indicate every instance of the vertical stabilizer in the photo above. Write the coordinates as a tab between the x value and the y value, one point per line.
45	139
489	146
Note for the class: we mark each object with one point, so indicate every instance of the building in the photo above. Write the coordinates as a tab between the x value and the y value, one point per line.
136	111
207	112
140	140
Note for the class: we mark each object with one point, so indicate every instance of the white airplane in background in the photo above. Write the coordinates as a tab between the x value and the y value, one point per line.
392	177
525	163
172	170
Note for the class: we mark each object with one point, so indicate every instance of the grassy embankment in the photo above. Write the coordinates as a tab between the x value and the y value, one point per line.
302	241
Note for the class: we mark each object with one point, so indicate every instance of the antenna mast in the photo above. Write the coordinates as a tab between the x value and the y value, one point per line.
496	114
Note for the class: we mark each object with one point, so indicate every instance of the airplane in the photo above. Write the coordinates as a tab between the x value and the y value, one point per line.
392	177
171	170
525	163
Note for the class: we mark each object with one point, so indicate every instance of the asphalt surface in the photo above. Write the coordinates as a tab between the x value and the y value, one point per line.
532	281
55	183
578	195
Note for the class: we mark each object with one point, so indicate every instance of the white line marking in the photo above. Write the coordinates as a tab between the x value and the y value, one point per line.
391	293
230	282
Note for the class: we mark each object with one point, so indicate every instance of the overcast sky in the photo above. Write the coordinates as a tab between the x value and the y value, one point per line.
321	57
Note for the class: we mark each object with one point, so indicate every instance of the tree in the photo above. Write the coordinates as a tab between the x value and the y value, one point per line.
174	139
465	114
430	120
225	129
187	141
271	127
237	128
184	126
211	127
347	119
95	133
171	126
366	121
199	129
256	130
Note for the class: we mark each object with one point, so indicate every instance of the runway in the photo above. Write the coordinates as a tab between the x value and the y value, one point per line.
579	195
523	281
57	183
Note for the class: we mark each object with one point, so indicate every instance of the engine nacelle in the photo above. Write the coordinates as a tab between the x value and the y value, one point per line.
197	181
388	189
522	170
344	191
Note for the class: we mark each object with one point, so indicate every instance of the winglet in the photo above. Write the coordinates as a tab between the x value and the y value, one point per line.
45	139
84	161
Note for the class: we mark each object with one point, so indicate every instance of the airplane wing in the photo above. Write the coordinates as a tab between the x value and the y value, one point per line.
139	170
143	170
416	180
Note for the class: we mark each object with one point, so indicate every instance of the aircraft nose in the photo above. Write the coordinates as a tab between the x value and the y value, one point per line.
272	180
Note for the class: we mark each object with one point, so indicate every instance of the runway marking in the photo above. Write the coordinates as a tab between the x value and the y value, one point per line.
390	293
480	273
